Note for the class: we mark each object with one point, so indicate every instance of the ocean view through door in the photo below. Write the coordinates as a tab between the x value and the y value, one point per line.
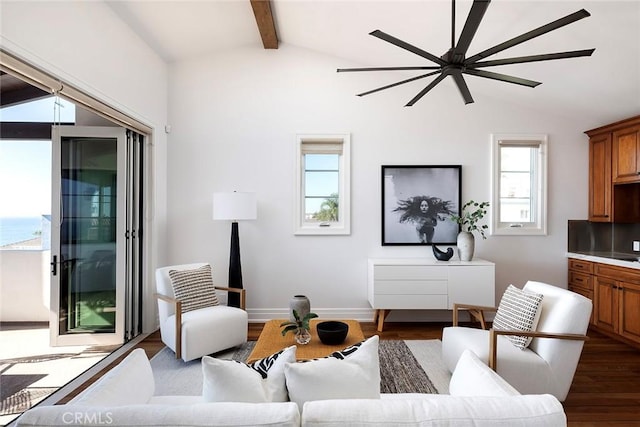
88	270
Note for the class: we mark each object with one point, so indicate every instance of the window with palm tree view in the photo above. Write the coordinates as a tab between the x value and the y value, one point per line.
323	185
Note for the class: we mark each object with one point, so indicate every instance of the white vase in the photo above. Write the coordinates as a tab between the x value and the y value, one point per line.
466	245
301	305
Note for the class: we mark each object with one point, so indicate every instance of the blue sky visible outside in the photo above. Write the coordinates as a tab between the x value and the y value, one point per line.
321	179
25	166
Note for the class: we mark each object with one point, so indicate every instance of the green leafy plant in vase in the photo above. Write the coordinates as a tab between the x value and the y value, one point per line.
300	327
471	213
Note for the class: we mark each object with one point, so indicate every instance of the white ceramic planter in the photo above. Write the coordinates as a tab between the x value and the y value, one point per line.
466	245
301	304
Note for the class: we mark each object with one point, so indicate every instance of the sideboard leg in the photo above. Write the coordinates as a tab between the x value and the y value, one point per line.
381	315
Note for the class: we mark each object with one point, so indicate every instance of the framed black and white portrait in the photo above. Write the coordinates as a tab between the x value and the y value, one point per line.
417	202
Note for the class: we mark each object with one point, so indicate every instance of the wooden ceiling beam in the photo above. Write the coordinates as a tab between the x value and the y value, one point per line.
266	24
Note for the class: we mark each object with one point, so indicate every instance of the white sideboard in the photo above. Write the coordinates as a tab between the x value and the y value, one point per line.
428	284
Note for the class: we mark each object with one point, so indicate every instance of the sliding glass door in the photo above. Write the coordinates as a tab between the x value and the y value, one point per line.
95	264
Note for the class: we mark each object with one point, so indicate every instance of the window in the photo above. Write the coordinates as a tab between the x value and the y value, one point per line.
322	184
519	201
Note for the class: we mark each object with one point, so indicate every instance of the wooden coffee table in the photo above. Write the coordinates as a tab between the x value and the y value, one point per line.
271	341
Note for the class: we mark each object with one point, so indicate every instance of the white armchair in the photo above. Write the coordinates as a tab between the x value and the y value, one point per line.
549	363
199	332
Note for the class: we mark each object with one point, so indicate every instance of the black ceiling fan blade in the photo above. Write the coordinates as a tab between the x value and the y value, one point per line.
576	16
462	86
533	58
412	79
404	45
344	70
474	18
501	77
424	91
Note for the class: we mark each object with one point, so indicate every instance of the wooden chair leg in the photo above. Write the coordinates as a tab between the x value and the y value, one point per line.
479	316
178	329
493	349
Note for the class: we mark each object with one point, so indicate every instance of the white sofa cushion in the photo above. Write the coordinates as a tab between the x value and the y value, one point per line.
472	377
436	410
357	375
519	310
261	381
284	414
130	382
198	337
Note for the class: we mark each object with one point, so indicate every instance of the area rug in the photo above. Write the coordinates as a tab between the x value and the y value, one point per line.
406	366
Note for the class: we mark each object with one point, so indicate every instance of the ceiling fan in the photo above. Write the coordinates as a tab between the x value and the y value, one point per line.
455	62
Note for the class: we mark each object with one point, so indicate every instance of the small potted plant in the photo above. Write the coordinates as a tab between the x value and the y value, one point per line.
471	213
299	326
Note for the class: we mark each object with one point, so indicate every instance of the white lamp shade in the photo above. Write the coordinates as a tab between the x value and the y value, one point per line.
234	206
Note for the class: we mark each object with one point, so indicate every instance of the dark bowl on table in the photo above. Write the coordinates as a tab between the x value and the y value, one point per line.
332	332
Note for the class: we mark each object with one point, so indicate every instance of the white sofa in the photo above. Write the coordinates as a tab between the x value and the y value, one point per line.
124	397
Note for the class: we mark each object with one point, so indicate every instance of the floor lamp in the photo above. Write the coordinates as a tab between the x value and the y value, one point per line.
234	207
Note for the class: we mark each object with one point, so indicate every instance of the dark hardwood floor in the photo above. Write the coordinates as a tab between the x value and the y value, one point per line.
605	390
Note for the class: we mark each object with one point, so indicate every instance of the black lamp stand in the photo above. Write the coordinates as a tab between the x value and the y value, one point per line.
235	270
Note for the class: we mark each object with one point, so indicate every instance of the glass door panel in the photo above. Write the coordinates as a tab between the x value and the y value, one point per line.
88	232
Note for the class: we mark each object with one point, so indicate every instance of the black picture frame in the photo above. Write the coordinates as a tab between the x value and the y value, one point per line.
438	188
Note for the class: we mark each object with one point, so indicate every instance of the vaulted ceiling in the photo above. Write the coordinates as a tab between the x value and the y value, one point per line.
605	86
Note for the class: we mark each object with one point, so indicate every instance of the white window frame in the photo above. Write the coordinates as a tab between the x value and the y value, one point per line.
343	225
538	185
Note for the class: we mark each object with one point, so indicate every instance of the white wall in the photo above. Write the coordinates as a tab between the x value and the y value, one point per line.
85	44
24	275
234	116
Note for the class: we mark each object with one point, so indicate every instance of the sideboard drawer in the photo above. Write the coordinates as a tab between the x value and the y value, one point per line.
409	272
414	302
411	287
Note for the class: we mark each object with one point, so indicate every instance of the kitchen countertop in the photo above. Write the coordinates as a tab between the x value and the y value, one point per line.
612	258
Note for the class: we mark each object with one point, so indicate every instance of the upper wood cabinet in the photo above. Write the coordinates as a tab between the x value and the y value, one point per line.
600	178
626	155
614	172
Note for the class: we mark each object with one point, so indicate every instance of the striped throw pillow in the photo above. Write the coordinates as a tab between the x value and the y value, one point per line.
518	311
194	288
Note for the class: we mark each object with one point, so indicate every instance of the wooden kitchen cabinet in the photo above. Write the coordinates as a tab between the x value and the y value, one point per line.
626	155
615	293
617	300
600	178
629	326
605	309
581	280
614	172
